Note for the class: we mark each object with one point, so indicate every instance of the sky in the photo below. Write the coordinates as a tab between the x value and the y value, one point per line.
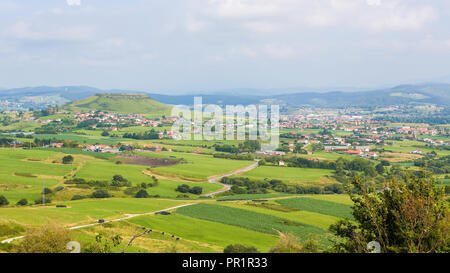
195	45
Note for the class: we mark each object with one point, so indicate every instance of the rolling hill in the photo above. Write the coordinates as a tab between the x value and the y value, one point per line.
132	103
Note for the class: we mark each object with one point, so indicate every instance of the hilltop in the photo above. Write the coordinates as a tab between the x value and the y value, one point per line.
132	103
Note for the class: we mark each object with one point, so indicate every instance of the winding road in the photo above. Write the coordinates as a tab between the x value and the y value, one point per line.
215	180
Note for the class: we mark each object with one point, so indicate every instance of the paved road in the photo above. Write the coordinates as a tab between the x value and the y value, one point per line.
129	216
228	187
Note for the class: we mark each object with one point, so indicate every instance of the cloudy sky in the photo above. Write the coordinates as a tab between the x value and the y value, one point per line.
183	45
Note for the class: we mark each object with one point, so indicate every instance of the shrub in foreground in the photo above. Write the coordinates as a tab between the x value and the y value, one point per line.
239	248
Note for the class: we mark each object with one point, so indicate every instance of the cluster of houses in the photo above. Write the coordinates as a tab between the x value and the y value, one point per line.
114	119
416	131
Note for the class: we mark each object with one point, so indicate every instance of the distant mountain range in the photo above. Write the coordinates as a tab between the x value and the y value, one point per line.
427	93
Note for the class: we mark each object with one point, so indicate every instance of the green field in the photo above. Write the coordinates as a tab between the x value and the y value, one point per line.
24	172
198	167
320	206
292	175
253	196
302	216
211	232
84	211
105	170
83	139
256	221
337	198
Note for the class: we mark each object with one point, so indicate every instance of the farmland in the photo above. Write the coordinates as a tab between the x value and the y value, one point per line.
126	166
292	175
320	206
256	221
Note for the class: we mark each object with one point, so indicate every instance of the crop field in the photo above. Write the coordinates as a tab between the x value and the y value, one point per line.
83	139
105	170
292	175
85	211
253	196
198	167
302	216
73	151
326	156
320	206
407	146
154	242
337	198
166	188
23	172
256	221
212	232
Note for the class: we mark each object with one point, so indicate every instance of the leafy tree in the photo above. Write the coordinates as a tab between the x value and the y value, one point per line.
142	194
183	188
120	181
379	168
196	190
22	202
298	148
47	239
68	159
103	244
409	215
385	163
288	243
105	133
3	201
239	248
44	201
47	191
101	194
78	197
316	147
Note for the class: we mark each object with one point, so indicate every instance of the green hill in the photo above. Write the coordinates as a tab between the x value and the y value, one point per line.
121	103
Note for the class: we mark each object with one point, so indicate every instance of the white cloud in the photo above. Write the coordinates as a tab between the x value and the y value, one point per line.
73	2
26	31
194	25
262	26
243	51
279	51
373	2
244	8
268	16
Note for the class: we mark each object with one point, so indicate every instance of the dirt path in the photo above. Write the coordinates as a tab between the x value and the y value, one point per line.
127	217
215	179
174	178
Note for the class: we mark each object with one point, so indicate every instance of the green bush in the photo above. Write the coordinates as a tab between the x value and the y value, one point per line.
101	194
78	197
47	191
40	201
142	194
238	248
3	201
68	159
22	202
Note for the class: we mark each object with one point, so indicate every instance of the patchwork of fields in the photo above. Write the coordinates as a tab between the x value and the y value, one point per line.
206	225
24	173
